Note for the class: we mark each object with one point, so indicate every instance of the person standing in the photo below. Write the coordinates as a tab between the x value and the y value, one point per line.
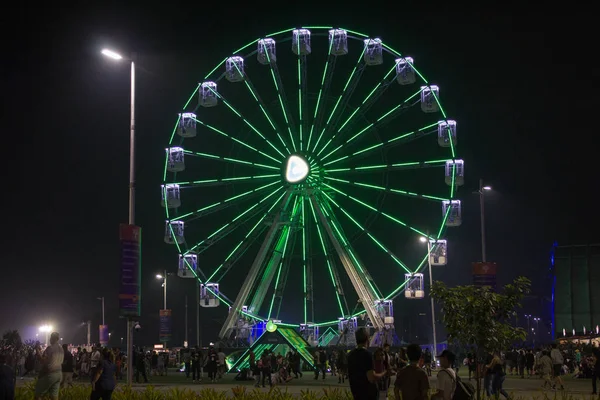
361	371
446	377
412	381
48	383
104	379
596	354
67	367
557	363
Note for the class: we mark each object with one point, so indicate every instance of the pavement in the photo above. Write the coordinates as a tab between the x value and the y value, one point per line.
528	388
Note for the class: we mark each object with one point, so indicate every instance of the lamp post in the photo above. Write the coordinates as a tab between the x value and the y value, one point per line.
528	316
116	56
164	285
481	191
102	299
424	239
46	329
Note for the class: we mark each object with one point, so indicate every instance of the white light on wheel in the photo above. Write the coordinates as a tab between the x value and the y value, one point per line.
296	169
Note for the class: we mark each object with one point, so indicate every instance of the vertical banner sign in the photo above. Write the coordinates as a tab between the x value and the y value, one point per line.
484	274
103	335
164	333
131	270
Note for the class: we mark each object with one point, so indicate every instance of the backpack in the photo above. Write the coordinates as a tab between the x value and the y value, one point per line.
464	390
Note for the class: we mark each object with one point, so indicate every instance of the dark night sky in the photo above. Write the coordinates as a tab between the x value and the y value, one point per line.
522	87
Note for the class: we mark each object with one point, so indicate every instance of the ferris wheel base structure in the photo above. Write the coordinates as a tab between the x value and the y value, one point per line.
291	161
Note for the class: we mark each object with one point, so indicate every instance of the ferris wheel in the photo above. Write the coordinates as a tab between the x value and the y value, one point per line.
306	167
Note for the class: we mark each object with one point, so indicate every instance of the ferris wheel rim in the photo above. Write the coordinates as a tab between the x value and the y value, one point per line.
355	36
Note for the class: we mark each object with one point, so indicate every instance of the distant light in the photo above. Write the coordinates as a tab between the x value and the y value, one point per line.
487	188
159	276
423	239
45	328
111	54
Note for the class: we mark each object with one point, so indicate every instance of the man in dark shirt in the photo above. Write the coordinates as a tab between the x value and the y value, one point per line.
361	372
411	381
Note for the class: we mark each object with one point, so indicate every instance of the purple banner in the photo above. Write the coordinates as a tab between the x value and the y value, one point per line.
131	270
103	334
164	333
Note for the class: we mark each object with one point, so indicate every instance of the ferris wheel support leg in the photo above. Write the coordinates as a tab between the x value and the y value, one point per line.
254	270
364	295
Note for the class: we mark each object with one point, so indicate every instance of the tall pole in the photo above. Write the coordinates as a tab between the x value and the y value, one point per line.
186	321
481	210
89	333
131	211
198	342
102	298
165	291
431	298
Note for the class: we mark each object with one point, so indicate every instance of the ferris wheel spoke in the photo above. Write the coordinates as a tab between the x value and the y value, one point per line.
280	94
398	140
263	107
223	181
248	123
369	234
229	160
394	293
302	94
391	167
241	142
328	70
281	272
387	189
377	210
306	271
366	104
228	202
343	98
329	266
250	237
385	118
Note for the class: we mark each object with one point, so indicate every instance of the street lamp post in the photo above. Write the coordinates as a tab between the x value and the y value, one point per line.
481	191
424	239
116	56
102	299
528	316
46	329
164	285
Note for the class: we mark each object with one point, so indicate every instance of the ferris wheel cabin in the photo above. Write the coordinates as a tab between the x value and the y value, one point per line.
209	293
385	309
266	51
234	69
454	213
446	133
405	73
188	265
415	286
175	159
373	52
301	42
455	171
186	128
429	99
170	196
208	94
438	255
338	42
174	232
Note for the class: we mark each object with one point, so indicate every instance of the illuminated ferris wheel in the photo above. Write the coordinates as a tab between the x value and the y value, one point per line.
310	158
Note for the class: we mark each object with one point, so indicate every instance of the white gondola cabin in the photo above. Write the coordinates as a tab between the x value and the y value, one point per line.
415	286
208	94
439	252
338	42
170	196
385	309
373	52
430	96
455	171
188	265
175	159
174	232
347	325
447	131
453	208
234	69
209	293
186	127
405	73
266	53
301	42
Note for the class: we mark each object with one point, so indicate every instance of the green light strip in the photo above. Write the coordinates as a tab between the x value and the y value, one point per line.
229	159
304	265
405	165
220	132
227	200
212	182
387	189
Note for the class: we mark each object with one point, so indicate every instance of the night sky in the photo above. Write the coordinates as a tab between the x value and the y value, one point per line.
522	88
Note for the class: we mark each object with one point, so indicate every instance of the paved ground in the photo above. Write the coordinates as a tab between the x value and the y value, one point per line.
525	388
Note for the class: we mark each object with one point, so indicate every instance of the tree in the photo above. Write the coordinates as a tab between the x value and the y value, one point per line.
479	318
11	345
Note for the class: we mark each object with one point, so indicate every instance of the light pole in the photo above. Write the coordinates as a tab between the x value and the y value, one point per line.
424	239
46	329
164	285
528	316
116	56
102	299
537	326
481	191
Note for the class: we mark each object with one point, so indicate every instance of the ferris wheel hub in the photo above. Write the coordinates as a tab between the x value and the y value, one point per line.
296	169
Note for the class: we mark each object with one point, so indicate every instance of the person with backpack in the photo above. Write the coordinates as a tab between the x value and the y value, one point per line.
557	363
446	377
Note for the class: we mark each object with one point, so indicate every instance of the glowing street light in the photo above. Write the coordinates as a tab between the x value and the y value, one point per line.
486	188
112	54
46	329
